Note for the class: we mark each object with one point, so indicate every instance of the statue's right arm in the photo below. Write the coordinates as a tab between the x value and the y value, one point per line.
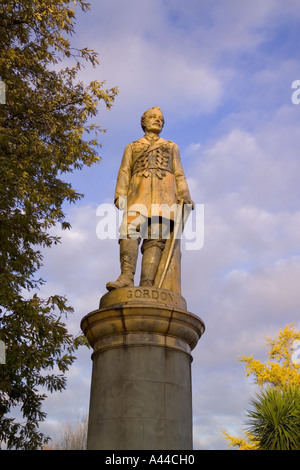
124	176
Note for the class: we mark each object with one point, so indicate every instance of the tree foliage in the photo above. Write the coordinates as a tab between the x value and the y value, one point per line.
274	419
45	132
277	404
280	370
247	442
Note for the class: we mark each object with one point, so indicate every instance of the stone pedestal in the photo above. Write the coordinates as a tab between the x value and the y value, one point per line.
141	395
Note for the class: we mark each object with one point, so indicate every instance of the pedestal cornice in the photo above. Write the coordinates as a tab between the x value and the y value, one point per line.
141	316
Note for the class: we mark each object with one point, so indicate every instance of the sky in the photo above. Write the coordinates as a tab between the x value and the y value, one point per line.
222	73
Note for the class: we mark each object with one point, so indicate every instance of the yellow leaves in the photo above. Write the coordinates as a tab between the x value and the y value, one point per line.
281	346
247	443
281	370
38	16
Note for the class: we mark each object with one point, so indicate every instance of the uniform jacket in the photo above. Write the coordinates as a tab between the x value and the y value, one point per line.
151	174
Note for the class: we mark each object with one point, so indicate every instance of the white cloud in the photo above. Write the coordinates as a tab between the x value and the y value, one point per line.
148	75
258	168
151	65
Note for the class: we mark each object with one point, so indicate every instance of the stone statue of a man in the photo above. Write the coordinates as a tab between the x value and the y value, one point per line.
150	181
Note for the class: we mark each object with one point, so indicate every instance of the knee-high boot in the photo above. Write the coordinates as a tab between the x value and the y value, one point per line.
150	262
128	258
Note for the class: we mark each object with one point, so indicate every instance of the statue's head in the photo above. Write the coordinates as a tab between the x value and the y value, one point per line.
150	114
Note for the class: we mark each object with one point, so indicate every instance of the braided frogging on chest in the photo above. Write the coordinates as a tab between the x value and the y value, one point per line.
152	159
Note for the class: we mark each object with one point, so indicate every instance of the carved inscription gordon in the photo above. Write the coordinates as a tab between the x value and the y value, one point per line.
150	294
154	295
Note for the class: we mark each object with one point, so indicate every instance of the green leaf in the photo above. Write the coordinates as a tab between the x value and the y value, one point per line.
43	129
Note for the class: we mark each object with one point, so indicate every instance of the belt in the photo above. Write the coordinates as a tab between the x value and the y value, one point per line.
160	172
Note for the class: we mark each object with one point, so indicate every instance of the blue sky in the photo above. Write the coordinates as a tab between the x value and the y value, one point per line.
221	72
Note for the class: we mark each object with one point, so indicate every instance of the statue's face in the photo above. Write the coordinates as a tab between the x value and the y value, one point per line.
154	121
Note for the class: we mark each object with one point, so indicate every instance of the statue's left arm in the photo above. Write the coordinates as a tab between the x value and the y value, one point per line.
183	193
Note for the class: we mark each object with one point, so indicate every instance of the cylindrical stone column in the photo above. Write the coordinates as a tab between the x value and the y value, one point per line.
141	396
